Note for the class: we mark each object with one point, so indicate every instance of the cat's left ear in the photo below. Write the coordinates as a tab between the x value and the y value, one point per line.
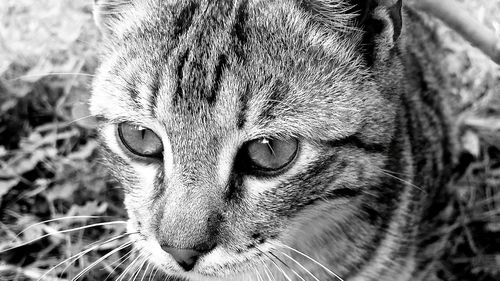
107	14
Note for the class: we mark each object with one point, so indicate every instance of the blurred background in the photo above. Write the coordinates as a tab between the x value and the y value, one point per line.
50	167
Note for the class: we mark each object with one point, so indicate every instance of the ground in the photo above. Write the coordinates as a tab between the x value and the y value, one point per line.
49	164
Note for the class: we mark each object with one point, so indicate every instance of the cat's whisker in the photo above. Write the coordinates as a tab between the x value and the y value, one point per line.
308	257
61	232
153	272
120	261
259	277
80	119
82	253
299	264
51	74
132	264
78	256
287	266
275	264
92	265
267	271
148	264
388	173
153	276
138	271
110	13
58	219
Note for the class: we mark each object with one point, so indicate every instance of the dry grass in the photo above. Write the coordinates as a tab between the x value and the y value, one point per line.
49	167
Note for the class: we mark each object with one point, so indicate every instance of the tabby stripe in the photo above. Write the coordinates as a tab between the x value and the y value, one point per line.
239	31
180	68
154	89
278	92
354	140
184	21
242	114
299	186
219	70
380	211
131	87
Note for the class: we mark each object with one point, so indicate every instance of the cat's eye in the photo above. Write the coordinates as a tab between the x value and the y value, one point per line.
139	140
271	155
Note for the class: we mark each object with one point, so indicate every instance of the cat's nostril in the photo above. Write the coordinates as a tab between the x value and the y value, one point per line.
186	258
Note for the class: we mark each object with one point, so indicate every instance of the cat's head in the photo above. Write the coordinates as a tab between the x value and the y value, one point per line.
239	128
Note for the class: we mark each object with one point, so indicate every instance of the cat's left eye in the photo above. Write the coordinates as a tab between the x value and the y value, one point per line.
139	140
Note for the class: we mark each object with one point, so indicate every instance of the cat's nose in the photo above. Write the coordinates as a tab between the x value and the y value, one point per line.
186	258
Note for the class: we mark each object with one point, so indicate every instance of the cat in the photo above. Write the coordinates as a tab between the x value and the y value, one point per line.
274	140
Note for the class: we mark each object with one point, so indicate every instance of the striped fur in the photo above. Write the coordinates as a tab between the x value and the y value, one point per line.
208	76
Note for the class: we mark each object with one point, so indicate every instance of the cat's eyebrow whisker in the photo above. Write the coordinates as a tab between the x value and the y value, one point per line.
308	257
88	268
61	232
58	219
82	253
388	173
299	264
51	74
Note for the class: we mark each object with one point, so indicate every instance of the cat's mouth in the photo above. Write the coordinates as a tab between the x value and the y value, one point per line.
217	264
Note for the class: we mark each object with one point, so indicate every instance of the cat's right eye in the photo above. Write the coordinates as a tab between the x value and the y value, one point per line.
139	140
269	156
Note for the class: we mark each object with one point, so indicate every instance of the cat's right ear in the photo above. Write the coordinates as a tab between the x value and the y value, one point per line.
107	13
380	22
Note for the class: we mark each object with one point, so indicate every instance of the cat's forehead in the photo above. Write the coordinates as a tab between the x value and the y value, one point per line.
232	63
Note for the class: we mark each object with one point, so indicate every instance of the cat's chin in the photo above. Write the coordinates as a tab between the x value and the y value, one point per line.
204	272
193	276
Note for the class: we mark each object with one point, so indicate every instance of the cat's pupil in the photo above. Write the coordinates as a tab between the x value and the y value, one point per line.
271	154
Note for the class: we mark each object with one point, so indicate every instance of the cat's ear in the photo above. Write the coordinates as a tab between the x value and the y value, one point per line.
379	16
107	14
380	21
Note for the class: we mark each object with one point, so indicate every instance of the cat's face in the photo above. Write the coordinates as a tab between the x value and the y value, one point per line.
237	128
